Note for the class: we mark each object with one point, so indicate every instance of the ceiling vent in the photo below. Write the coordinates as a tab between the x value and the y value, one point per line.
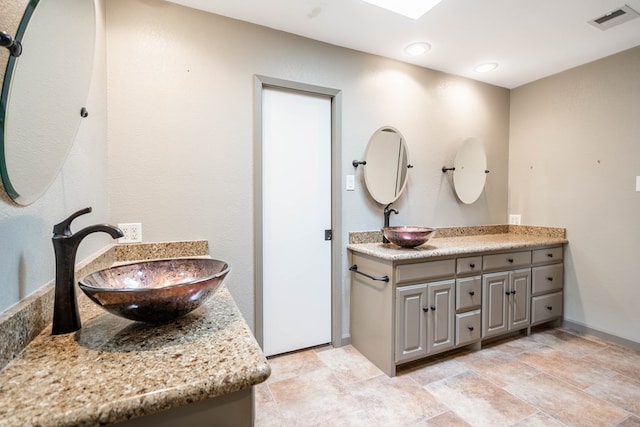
615	17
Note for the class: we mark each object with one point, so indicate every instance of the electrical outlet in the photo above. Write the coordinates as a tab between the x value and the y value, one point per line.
132	232
514	219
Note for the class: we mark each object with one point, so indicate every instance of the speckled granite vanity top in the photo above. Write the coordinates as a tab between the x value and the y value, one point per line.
114	369
453	241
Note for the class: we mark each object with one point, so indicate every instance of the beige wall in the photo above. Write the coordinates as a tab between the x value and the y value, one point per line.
574	158
181	129
26	253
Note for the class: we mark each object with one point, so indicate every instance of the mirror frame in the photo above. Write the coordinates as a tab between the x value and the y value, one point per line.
376	166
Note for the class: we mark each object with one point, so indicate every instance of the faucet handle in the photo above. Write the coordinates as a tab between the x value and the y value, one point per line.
64	228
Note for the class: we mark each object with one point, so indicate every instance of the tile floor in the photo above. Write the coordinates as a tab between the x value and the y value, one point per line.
554	377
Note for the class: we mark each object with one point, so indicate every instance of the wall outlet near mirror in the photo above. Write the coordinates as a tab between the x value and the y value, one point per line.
514	219
132	232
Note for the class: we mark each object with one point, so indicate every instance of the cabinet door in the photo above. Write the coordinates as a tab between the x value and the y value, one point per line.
441	316
495	294
519	300
411	322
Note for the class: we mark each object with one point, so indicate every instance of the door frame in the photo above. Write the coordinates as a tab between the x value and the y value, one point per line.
260	83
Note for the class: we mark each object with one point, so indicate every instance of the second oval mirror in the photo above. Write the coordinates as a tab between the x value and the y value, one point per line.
470	171
387	160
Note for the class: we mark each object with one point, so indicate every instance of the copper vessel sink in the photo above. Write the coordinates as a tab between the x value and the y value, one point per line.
156	291
408	236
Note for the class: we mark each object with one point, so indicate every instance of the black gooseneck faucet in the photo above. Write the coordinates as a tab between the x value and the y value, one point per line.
388	210
66	317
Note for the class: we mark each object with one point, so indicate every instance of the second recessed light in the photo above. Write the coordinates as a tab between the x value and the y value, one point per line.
417	49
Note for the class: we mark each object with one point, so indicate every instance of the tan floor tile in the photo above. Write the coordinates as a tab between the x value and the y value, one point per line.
434	371
566	403
348	364
314	398
397	401
625	362
620	390
632	421
261	393
268	415
479	402
514	345
501	369
293	364
448	419
539	419
564	341
573	370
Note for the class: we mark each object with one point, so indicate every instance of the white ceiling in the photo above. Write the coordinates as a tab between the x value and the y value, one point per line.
530	39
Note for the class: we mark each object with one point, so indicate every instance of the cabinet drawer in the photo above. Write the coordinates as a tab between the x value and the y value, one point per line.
468	327
541	256
546	307
469	265
468	293
547	278
424	271
508	260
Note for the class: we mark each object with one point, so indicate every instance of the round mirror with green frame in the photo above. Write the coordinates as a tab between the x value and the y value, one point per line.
44	92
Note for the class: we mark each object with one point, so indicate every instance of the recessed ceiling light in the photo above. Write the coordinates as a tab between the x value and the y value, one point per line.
410	8
485	68
417	49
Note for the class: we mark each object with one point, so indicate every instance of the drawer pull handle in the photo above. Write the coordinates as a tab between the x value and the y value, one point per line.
510	260
549	308
550	279
472	265
425	309
550	255
433	308
472	293
470	327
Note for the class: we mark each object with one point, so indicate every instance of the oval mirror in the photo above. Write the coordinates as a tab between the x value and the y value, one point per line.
387	161
43	93
470	172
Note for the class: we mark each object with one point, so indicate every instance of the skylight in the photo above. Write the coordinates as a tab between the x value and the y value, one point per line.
410	8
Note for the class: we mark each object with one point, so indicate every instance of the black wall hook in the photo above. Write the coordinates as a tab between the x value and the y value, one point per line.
356	163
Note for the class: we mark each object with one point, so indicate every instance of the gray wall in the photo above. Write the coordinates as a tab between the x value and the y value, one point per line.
574	158
181	129
26	253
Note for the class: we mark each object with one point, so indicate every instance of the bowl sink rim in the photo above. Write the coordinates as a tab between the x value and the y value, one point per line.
82	282
422	235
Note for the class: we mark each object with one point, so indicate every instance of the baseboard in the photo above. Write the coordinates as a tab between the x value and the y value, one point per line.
578	327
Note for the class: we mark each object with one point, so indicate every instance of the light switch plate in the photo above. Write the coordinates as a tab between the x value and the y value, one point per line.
351	182
514	219
637	183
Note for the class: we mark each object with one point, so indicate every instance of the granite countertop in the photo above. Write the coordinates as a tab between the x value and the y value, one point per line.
460	241
114	369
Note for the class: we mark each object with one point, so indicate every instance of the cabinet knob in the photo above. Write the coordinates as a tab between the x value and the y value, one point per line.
433	308
507	293
550	279
510	260
472	293
513	292
425	309
472	265
549	308
470	327
550	255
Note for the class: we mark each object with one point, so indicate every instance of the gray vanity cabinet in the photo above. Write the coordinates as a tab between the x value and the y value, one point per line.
424	319
505	302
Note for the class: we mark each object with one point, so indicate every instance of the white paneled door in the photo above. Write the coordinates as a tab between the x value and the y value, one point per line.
296	211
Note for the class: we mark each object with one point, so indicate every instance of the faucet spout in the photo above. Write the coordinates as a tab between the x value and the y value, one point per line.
66	317
388	210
